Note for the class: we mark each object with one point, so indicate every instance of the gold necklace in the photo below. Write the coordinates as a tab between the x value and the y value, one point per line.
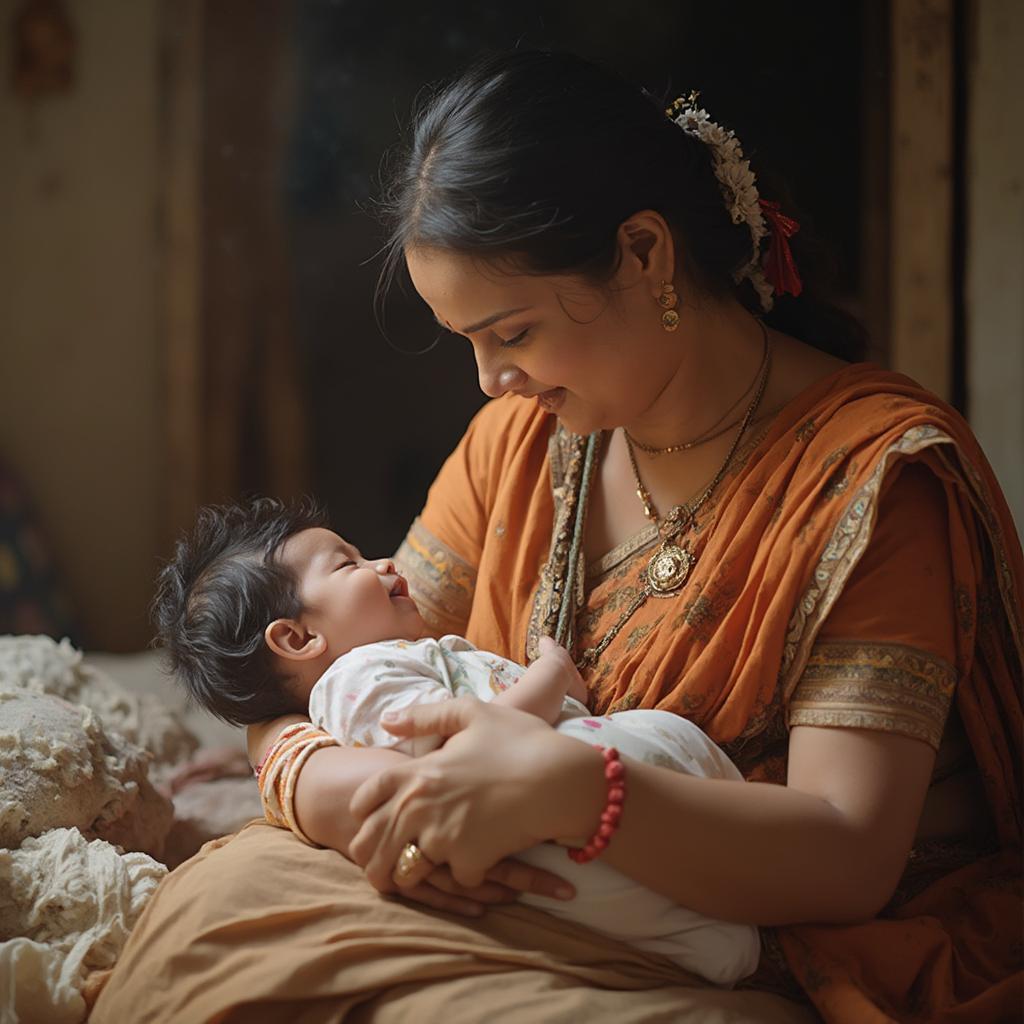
714	431
671	565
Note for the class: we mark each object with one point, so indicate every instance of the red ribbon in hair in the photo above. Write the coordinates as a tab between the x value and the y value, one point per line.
779	265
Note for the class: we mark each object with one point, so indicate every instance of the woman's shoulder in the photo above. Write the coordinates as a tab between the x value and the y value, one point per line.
797	368
831	402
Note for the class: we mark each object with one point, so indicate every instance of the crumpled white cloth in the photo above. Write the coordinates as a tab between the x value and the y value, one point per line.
60	768
67	906
37	664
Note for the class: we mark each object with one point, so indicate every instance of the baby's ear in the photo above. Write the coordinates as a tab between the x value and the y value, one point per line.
290	639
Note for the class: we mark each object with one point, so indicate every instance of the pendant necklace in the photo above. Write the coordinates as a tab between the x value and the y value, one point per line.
670	566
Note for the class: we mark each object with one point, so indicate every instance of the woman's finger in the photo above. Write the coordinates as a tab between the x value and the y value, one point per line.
412	867
514	874
444	719
377	789
378	845
440	900
489	892
376	849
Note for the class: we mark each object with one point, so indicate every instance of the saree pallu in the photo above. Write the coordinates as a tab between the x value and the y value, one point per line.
745	650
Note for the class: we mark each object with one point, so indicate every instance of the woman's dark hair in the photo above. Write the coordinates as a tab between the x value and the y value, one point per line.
218	594
536	158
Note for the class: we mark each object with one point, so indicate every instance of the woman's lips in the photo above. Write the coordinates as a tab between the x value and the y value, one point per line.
551	401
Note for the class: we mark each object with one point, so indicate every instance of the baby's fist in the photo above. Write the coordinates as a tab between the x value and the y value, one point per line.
547	645
556	654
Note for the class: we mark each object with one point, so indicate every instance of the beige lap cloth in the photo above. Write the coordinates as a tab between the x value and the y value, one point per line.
261	927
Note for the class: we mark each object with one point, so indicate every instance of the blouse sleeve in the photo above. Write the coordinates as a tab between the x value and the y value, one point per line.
884	657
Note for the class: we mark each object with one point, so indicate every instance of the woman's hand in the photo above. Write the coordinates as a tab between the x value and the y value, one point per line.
503	782
504	883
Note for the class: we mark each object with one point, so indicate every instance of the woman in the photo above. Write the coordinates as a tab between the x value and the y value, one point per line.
809	559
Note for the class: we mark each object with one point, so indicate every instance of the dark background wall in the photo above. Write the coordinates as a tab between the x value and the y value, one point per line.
787	77
186	252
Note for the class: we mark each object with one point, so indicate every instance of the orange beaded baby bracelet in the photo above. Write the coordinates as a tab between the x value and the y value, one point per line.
615	773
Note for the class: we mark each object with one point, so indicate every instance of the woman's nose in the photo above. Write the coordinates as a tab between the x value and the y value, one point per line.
495	381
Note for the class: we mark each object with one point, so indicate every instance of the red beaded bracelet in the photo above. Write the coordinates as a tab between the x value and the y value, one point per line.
615	773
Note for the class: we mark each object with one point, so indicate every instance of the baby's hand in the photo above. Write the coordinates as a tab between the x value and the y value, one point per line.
541	689
557	658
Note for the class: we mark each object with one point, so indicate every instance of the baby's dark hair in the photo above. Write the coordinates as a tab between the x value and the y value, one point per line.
218	594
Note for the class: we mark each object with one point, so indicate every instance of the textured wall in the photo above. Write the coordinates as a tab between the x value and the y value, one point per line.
78	341
995	242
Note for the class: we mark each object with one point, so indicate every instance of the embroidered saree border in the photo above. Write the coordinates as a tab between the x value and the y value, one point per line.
440	581
840	556
564	452
600	567
857	684
850	539
555	598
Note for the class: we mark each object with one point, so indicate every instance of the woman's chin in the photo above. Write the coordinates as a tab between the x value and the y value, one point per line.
578	421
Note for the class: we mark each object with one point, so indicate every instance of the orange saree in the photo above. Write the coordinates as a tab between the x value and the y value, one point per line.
857	568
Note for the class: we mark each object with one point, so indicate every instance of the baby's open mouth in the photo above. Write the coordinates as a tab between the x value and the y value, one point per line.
399	588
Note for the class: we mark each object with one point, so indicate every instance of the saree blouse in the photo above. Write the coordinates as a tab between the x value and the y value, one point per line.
856	568
883	659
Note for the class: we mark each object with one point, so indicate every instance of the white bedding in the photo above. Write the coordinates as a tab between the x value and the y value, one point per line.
88	747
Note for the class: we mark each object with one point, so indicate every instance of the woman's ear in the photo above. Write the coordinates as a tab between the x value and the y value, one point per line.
646	250
289	639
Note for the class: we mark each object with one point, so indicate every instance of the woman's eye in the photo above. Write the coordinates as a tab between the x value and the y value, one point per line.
517	340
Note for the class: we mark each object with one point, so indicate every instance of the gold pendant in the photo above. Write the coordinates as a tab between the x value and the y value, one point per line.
668	570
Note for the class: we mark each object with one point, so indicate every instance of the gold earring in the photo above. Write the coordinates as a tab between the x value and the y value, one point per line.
667	300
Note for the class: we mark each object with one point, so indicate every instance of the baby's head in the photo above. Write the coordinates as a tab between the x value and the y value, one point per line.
261	597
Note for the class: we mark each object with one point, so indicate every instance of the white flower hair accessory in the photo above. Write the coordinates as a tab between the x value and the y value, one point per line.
775	273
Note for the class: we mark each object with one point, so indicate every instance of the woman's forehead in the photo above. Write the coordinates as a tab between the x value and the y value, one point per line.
464	291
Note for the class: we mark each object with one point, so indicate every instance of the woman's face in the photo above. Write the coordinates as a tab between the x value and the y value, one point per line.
598	358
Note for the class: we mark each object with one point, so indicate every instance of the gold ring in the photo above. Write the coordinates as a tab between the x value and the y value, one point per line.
410	856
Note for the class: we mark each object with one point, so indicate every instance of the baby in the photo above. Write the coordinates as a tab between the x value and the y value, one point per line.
266	612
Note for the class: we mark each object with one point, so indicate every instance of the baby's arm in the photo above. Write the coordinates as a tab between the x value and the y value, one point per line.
541	689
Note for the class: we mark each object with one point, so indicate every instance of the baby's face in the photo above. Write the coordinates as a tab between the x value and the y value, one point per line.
348	599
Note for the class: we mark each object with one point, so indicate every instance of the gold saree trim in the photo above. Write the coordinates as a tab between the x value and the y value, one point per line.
440	581
622	552
887	687
566	459
853	532
847	544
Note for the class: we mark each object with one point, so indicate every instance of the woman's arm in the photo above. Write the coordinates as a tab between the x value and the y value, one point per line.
323	791
829	846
